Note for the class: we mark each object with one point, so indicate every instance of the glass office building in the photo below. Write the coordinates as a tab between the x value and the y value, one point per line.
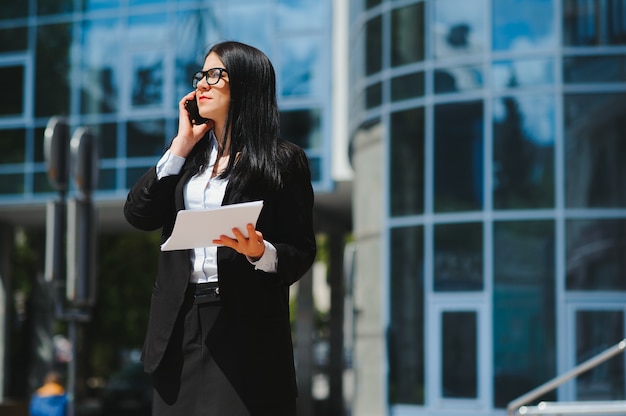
120	66
496	133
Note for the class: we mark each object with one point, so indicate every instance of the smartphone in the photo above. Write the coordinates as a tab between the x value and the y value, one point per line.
194	115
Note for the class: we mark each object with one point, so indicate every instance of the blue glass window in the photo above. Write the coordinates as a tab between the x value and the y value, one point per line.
301	14
12	146
523	152
458	157
594	69
520	25
459	28
300	67
523	73
594	22
458	261
12	85
524	343
458	78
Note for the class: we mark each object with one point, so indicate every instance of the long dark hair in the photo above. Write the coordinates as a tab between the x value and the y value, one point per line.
252	121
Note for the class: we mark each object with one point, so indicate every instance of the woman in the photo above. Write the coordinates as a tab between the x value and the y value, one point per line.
218	339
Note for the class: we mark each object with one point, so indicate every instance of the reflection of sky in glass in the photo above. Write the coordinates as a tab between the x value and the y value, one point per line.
299	66
147	82
300	14
537	115
523	73
101	4
250	24
147	29
459	27
523	24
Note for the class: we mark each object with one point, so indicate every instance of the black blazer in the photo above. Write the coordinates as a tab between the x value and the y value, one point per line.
251	339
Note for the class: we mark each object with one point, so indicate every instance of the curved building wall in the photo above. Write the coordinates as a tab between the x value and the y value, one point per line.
500	127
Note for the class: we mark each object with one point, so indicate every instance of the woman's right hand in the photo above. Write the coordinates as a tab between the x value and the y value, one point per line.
188	134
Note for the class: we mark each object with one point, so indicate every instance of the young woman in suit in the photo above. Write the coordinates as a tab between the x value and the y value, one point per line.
219	339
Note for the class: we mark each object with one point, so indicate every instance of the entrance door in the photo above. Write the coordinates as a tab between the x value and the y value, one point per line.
457	370
593	327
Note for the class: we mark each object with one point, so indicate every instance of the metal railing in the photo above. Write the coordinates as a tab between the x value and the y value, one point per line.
518	405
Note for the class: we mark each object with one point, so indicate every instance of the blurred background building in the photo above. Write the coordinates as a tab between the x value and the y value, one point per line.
474	150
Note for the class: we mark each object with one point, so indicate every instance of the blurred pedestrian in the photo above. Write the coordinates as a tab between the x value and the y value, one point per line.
50	399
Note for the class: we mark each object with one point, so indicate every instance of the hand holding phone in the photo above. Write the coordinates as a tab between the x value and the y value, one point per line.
194	114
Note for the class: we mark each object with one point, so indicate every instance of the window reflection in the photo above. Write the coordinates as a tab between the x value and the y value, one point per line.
300	14
145	138
54	44
459	157
12	85
523	152
594	69
592	22
459	27
458	78
522	73
54	7
374	42
523	308
12	146
147	79
458	262
148	29
523	25
107	139
13	39
406	323
374	95
300	67
597	330
243	24
459	370
301	127
407	34
407	86
13	9
595	254
406	176
595	150
90	5
12	183
100	75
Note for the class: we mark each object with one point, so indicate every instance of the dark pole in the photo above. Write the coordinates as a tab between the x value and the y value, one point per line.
336	353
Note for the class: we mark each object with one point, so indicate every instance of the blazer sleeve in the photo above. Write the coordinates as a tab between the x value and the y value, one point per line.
295	239
150	202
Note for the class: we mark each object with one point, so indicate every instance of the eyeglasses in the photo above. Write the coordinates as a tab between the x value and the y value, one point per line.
212	76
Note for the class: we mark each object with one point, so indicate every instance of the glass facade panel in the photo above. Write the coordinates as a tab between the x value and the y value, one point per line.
524	349
522	25
406	323
374	42
54	43
523	73
145	138
595	150
594	22
107	139
407	34
91	5
407	86
107	179
300	67
458	79
595	332
300	14
301	127
46	7
12	183
459	28
243	25
100	80
12	85
594	69
147	80
458	257
458	157
13	9
373	95
406	163
459	371
523	152
595	254
12	146
41	183
13	39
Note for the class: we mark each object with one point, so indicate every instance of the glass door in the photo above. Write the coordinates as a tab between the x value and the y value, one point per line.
457	370
594	327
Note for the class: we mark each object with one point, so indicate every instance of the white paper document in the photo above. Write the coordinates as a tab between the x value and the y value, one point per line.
199	227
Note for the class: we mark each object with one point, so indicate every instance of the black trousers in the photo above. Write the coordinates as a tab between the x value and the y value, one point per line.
189	382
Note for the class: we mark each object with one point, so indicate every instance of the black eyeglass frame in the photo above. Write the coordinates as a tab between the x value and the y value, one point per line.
198	76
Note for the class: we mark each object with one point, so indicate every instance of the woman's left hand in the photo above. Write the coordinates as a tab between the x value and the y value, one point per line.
252	246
